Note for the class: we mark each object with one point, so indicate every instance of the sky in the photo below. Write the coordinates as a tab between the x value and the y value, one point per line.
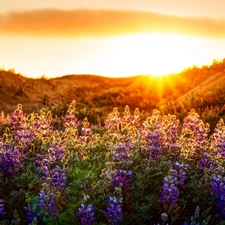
110	38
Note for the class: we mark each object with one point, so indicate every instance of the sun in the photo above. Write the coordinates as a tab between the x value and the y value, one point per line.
157	54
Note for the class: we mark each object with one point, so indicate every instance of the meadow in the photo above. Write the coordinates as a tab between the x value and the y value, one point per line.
133	170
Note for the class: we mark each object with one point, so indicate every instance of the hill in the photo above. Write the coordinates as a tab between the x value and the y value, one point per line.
195	87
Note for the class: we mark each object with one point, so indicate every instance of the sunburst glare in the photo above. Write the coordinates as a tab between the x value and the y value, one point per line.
156	54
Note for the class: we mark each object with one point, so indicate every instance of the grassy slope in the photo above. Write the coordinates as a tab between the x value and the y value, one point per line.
193	88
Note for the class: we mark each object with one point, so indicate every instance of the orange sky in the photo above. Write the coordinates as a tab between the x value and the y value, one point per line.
111	38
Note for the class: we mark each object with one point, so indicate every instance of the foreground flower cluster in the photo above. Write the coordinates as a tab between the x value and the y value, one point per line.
156	170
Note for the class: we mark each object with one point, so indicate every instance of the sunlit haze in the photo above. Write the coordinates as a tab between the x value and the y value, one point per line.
117	39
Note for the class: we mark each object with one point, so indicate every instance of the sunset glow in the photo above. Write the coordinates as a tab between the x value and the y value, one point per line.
156	54
115	41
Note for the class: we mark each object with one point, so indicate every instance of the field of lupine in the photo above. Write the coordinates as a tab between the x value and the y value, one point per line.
156	171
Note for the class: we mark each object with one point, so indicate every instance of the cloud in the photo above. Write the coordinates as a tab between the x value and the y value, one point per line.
101	23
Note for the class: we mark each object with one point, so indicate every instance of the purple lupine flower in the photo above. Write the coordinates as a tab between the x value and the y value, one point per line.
155	143
218	191
52	207
2	208
153	134
47	203
31	215
56	176
42	125
70	120
45	171
180	173
114	210
170	125
113	120
86	214
22	130
25	135
10	161
219	146
129	119
170	191
16	119
206	162
86	132
218	143
122	177
112	123
194	127
86	135
123	151
56	152
222	149
38	160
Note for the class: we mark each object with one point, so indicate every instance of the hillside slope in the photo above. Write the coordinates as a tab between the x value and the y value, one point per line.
37	93
176	93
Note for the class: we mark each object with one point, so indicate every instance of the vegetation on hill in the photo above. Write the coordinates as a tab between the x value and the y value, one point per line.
196	87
